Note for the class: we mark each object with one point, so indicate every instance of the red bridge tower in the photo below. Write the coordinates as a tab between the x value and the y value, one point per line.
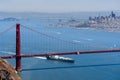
18	48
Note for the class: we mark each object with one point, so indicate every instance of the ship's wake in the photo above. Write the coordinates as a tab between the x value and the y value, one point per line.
13	53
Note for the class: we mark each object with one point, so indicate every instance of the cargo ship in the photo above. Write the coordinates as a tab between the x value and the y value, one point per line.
60	58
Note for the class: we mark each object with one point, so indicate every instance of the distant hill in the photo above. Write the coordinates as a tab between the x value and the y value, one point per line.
9	19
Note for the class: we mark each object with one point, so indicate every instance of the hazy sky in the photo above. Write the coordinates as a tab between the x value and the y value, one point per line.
58	5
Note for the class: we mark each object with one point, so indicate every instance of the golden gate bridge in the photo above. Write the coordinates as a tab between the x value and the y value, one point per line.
18	56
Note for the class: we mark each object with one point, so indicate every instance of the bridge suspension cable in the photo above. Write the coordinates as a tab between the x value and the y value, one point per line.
6	30
53	37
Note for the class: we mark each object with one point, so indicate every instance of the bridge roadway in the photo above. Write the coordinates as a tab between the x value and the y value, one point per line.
61	53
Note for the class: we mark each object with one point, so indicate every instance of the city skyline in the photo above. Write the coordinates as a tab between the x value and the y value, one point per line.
58	6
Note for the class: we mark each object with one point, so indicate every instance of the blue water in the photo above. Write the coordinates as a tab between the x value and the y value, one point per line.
86	67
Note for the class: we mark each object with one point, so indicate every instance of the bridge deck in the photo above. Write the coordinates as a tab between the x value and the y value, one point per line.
61	53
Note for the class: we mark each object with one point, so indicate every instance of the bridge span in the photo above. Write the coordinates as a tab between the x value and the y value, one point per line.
18	54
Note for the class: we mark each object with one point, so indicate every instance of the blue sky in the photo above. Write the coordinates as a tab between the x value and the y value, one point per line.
56	6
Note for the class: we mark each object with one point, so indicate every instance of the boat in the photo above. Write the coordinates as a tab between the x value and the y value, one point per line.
60	58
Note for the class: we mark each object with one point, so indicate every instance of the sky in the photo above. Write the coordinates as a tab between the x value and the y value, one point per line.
58	6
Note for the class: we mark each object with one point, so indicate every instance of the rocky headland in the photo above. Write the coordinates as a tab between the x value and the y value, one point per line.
7	72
